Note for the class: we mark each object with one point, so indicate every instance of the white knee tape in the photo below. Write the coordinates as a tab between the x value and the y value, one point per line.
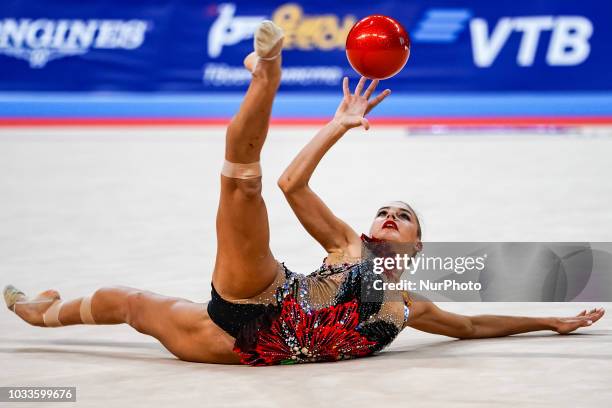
85	311
241	170
51	316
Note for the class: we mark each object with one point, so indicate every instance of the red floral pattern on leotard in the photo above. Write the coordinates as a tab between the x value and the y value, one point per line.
297	336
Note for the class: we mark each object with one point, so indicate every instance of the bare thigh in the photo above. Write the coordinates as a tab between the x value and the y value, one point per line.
182	326
245	265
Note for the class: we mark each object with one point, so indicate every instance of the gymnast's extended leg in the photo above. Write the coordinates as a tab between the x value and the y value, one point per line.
177	323
245	265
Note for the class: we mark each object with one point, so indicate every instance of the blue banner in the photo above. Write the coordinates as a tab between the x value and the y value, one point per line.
197	46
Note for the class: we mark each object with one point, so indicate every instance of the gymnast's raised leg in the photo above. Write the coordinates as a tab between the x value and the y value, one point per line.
244	265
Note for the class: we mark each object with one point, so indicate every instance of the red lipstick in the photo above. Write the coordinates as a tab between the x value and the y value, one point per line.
390	224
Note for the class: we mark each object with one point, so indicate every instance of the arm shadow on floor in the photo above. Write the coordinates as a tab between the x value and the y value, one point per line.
452	348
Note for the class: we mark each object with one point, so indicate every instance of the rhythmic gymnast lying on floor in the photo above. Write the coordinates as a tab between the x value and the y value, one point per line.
261	313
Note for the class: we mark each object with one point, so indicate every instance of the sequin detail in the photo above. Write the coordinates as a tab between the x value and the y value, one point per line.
331	314
328	334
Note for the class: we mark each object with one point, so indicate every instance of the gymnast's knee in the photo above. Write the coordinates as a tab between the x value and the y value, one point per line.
134	310
249	188
243	189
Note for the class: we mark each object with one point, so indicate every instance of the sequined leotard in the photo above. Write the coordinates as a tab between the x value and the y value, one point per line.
331	314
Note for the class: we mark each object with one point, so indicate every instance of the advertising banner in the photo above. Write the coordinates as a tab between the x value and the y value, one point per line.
197	46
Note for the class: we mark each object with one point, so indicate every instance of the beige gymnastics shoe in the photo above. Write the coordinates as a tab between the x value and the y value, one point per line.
42	310
268	44
12	295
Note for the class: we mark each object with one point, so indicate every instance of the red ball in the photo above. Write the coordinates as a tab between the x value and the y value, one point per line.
377	47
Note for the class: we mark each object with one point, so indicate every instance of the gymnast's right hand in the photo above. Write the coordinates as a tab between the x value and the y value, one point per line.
355	106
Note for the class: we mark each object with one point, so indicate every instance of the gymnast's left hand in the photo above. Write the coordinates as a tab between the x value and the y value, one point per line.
355	106
565	325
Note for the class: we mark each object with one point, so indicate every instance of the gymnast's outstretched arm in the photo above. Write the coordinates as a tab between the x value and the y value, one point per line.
428	317
334	235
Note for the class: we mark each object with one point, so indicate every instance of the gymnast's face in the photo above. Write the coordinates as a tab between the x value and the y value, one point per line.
396	222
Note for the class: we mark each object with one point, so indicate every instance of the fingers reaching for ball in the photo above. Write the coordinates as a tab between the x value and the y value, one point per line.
359	86
355	106
374	102
345	87
368	92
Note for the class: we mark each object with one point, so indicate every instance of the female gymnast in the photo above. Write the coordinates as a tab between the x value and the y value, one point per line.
261	313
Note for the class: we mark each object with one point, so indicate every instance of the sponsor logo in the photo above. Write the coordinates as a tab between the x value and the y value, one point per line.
225	75
312	32
302	32
568	44
229	29
39	41
441	25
